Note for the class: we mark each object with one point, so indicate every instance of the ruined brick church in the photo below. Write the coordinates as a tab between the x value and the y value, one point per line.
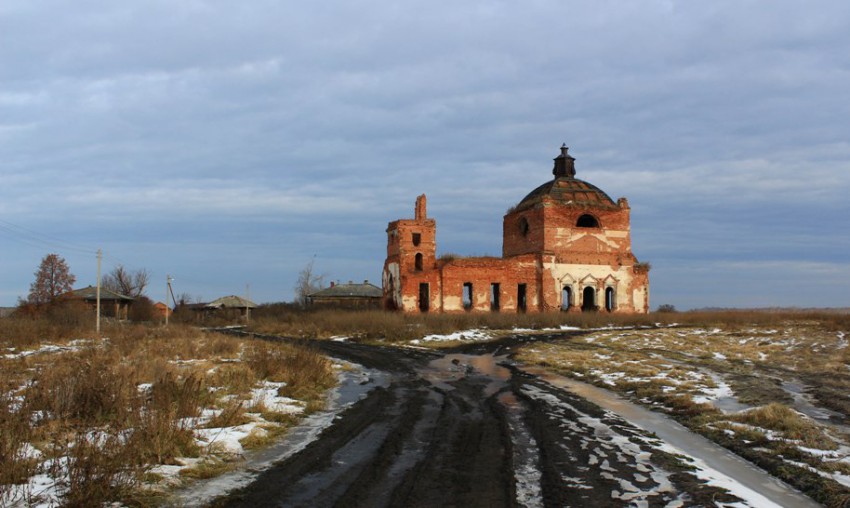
566	246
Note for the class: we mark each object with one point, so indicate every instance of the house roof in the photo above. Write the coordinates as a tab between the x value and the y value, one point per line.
349	290
231	302
90	293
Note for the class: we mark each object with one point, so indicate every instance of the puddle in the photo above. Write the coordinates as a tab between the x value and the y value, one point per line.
446	369
730	405
803	404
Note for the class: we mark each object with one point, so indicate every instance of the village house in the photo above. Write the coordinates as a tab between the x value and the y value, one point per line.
347	296
112	304
566	246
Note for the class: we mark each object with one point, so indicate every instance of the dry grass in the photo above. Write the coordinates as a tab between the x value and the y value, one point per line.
107	409
789	423
397	326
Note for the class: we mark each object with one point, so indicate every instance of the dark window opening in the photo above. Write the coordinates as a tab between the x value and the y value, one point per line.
521	303
417	262
390	302
467	295
566	298
424	297
588	302
494	296
417	238
587	221
609	299
523	226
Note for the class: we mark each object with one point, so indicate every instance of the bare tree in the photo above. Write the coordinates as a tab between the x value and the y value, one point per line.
130	283
308	283
52	279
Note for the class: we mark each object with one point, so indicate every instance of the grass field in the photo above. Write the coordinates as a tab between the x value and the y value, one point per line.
85	421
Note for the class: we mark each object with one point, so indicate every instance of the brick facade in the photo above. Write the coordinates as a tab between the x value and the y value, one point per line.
566	246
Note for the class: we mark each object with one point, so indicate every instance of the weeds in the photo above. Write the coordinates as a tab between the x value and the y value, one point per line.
94	415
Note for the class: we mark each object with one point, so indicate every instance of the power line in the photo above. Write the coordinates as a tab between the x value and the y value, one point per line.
35	239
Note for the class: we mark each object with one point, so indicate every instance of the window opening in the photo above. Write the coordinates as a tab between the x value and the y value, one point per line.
523	226
588	299
417	262
566	298
467	295
417	238
609	299
587	221
390	302
521	303
424	296
494	296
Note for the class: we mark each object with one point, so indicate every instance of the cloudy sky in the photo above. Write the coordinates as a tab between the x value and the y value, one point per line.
229	143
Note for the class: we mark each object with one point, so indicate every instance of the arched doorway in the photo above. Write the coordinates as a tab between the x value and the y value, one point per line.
588	299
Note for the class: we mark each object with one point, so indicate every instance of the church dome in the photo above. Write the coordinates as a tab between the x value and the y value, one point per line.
566	189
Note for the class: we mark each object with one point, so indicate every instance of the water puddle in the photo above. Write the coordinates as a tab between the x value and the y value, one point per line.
730	404
803	403
454	367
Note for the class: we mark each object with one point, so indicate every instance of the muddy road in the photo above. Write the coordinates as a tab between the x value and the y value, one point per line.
467	428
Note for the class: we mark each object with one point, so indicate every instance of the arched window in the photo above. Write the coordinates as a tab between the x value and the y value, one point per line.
610	303
417	262
588	299
523	226
566	298
587	221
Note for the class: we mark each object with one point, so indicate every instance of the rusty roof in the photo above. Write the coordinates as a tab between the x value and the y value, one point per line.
350	290
231	302
568	191
90	293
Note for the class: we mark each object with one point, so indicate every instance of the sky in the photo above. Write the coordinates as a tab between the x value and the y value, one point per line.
229	144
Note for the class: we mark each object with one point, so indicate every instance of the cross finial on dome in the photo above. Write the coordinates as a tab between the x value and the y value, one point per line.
564	164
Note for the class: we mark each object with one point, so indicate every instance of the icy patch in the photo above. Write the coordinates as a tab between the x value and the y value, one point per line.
45	349
717	479
267	396
225	439
463	335
710	395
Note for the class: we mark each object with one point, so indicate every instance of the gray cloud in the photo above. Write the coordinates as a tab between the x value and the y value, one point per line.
181	136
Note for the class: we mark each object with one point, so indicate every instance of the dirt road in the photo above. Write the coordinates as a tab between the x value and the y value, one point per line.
467	428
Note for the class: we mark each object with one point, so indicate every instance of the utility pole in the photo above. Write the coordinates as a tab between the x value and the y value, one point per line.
167	292
97	325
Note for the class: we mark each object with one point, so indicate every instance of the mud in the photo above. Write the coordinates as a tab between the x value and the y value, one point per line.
466	428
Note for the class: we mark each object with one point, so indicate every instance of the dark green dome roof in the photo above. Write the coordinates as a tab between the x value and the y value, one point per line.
568	191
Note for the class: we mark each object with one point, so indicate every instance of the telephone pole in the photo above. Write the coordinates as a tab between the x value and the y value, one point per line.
167	292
